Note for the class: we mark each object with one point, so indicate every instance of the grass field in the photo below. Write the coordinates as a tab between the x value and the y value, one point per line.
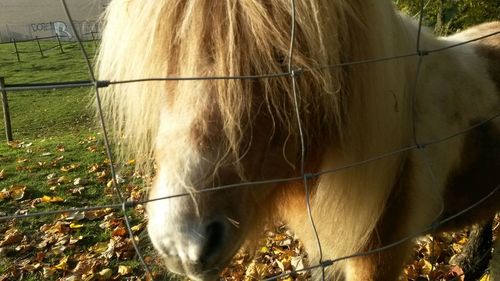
57	161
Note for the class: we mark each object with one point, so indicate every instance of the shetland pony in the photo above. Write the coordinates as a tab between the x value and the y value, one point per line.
208	133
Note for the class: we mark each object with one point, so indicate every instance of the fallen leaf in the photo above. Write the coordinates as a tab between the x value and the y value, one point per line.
105	274
63	264
94	168
70	167
17	192
257	270
110	184
486	277
75	226
48	272
425	266
110	250
4	194
12	236
62	180
124	270
74	240
51	199
297	263
138	227
74	216
99	247
80	181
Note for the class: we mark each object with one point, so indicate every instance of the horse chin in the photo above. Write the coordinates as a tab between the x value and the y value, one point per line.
198	271
192	271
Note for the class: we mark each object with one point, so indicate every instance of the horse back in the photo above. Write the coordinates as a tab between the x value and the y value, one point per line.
488	48
478	175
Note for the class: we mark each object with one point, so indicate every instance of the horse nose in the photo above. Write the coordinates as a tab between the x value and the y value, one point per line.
203	247
196	251
215	233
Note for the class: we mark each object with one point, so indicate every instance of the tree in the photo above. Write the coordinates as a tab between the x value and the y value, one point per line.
449	16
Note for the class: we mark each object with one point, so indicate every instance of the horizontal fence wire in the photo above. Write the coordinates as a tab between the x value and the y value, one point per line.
107	83
293	74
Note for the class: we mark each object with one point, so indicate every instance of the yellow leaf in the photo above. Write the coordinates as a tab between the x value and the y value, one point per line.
75	226
124	270
105	274
485	277
63	264
131	162
109	184
425	266
99	247
138	227
51	199
463	241
2	174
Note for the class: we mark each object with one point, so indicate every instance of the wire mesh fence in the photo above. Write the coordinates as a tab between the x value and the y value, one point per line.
42	45
294	75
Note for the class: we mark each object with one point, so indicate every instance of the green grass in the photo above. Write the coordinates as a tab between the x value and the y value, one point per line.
54	130
54	67
39	113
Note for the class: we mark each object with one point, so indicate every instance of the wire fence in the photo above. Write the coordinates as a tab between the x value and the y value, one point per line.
294	74
55	41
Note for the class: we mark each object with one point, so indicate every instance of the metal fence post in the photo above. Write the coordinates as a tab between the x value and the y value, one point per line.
17	51
59	42
6	112
94	39
39	46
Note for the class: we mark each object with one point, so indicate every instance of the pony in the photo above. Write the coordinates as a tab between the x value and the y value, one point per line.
200	134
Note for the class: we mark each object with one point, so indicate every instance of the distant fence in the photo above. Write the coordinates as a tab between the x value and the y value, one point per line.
31	86
6	112
94	36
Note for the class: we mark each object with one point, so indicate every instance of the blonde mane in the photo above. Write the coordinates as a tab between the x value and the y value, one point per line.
222	38
213	132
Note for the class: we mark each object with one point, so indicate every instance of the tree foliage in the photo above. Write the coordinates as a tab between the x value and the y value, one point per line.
449	16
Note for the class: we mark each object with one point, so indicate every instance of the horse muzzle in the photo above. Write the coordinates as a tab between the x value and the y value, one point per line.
198	250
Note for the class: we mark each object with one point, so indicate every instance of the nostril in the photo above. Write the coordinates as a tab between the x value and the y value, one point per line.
214	240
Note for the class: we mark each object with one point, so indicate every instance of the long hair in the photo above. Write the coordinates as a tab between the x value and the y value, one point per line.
223	38
233	38
349	112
